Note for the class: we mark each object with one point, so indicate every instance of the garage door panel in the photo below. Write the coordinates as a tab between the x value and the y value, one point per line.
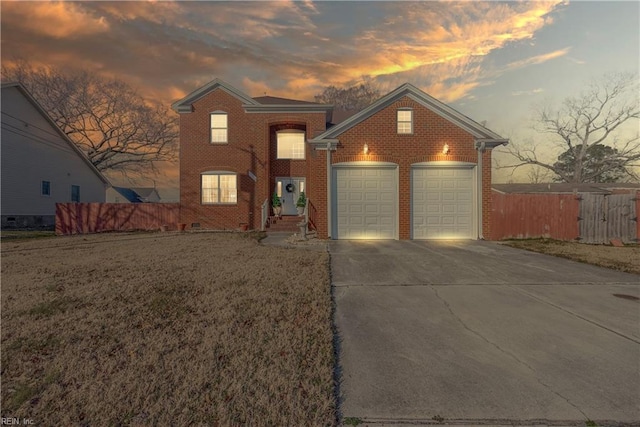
355	197
354	209
442	202
366	202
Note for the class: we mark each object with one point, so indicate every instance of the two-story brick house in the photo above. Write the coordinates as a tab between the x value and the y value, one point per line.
406	167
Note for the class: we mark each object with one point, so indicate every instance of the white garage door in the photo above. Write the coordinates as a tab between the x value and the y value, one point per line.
366	202
443	203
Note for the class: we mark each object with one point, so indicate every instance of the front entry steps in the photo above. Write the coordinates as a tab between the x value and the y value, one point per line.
285	223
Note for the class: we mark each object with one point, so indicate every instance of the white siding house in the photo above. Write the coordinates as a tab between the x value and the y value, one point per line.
40	165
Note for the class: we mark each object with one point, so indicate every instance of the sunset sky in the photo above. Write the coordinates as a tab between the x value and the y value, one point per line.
492	61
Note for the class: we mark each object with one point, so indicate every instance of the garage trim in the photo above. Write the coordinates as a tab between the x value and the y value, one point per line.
362	165
473	185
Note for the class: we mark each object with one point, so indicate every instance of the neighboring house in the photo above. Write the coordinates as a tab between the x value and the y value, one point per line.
406	167
132	195
41	166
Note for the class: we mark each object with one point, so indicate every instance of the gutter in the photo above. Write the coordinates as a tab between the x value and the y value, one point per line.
481	146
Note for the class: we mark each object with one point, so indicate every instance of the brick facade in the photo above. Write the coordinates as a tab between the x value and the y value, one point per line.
425	144
252	148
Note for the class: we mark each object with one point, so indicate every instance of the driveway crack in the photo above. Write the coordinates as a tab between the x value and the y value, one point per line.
574	314
507	353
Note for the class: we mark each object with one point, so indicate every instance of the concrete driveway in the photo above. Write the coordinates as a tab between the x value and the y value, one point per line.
480	333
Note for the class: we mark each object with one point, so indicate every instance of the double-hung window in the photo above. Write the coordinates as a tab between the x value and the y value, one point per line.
290	144
75	193
45	188
219	188
219	128
405	121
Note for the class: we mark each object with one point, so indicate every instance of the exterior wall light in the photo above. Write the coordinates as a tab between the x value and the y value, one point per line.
445	149
366	149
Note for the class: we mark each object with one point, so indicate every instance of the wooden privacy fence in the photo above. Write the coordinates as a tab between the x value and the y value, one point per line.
586	217
604	217
83	218
523	216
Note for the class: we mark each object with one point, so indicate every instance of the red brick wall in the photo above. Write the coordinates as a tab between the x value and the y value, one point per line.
430	133
252	147
248	149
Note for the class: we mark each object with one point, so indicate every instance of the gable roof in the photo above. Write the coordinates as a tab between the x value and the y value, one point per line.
145	192
273	100
136	195
128	194
261	104
185	105
482	134
57	129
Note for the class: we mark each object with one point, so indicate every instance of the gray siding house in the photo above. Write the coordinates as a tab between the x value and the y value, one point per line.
40	165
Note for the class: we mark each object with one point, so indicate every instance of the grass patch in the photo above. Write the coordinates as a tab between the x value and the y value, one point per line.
26	234
187	329
618	258
55	306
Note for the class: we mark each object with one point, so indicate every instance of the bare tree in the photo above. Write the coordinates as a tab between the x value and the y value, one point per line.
350	98
108	120
538	175
582	126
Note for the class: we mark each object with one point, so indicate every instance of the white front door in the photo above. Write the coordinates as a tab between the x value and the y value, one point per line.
289	189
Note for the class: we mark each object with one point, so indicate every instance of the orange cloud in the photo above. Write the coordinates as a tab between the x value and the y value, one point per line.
465	33
256	88
539	59
55	19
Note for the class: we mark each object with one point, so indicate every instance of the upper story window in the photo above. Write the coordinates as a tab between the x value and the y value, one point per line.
75	193
46	188
219	128
405	121
290	144
219	187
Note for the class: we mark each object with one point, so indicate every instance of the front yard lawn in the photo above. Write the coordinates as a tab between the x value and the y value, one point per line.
625	258
165	329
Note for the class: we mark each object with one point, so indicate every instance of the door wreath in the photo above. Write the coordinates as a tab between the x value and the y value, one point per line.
290	187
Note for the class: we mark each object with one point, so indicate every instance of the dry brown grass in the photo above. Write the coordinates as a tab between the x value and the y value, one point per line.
625	258
157	329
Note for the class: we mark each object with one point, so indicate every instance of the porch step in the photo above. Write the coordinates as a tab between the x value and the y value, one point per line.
284	223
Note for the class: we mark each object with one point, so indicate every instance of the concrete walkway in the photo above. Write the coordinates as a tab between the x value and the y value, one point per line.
285	239
476	333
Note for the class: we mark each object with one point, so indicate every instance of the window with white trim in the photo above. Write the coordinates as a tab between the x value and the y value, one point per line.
219	188
290	144
219	128
405	121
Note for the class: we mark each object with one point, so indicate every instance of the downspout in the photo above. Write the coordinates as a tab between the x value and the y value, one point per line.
481	149
329	212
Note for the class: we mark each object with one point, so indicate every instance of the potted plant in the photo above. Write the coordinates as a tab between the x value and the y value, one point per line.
301	203
276	204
